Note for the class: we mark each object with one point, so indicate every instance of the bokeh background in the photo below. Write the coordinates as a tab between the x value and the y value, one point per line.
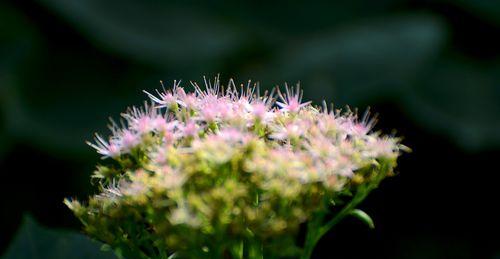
431	69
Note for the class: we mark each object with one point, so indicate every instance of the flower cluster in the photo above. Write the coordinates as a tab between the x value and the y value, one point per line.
230	172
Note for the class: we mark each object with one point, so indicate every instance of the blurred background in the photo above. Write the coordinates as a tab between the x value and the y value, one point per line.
431	69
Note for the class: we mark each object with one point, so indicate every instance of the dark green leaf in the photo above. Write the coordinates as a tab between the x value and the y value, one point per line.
483	9
459	99
154	33
363	216
37	242
366	60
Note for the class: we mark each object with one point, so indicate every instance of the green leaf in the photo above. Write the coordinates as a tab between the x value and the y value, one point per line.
363	216
363	61
458	98
38	242
483	9
52	102
158	33
18	41
179	33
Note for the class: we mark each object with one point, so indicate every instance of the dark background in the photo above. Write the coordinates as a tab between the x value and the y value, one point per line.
431	69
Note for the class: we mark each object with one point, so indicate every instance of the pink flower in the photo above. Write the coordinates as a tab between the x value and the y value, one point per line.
169	138
166	98
343	166
143	120
129	140
233	135
321	147
226	111
289	131
187	100
158	123
210	112
163	126
382	147
144	125
353	127
105	148
259	110
160	156
291	101
191	129
326	140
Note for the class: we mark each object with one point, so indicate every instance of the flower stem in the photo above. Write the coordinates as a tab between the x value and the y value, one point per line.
315	232
314	229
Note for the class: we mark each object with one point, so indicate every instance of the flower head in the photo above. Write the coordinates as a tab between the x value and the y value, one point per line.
228	163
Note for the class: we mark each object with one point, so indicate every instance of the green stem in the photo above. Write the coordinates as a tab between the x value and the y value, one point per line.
311	236
255	250
237	250
315	231
343	213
